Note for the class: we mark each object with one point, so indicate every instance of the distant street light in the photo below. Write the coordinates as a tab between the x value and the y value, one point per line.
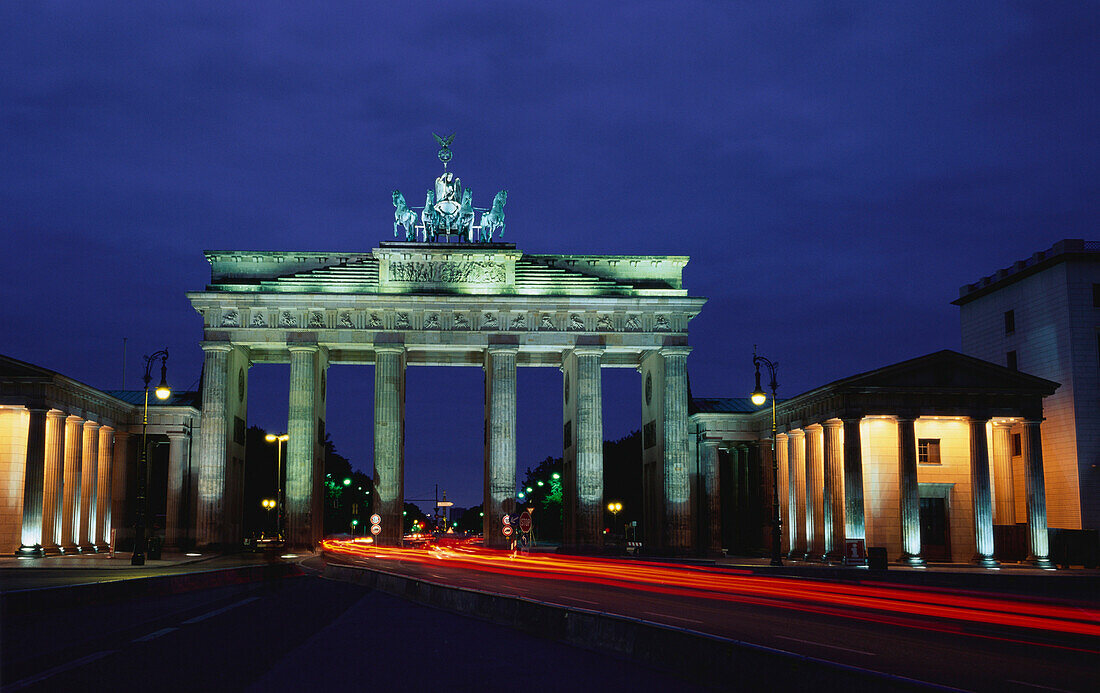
278	439
758	397
163	392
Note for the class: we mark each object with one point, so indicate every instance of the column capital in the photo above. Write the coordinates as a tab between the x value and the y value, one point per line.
55	414
92	424
303	346
1031	421
1003	424
832	423
587	350
906	417
37	408
389	348
979	418
710	442
502	348
122	435
224	347
175	435
681	350
796	433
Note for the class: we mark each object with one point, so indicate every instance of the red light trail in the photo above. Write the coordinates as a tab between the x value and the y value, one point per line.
878	602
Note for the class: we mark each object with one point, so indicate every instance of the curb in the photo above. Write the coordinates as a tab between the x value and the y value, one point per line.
698	657
44	599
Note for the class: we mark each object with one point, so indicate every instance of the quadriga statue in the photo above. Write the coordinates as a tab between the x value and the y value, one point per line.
403	217
494	218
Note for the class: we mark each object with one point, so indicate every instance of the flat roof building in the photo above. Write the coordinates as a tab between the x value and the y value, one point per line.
1042	316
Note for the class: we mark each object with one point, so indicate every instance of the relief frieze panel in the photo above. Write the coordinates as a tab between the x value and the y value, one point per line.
447	272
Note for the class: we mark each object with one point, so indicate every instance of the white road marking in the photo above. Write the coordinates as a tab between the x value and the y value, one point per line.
1036	685
222	610
31	680
674	618
156	634
578	599
821	644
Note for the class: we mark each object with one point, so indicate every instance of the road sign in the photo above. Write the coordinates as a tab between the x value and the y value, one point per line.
525	521
376	519
507	519
376	529
855	550
507	530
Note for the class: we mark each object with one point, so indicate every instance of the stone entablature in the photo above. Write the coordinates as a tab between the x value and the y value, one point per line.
446	303
446	268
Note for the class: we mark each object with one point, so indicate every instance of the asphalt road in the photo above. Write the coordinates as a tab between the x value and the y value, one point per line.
298	633
966	656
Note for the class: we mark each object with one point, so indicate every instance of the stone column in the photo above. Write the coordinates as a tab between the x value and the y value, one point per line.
389	441
177	451
34	477
589	520
815	525
677	485
301	431
1036	495
909	492
1004	509
102	523
70	504
213	440
119	471
833	505
744	516
500	442
785	523
52	484
88	490
980	494
796	462
735	496
708	458
854	527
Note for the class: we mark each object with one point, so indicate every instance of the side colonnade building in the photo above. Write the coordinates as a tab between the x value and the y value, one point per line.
916	457
68	454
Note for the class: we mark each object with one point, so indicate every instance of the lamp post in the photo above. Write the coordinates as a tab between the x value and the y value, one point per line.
278	440
758	397
162	392
269	505
614	509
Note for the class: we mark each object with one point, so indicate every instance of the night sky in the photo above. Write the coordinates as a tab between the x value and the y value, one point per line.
836	171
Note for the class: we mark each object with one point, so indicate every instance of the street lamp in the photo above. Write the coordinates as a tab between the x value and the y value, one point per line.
162	392
758	397
278	439
269	505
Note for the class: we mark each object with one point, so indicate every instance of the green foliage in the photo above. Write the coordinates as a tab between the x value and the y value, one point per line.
472	520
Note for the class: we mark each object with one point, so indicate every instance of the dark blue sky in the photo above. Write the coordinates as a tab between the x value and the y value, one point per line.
835	170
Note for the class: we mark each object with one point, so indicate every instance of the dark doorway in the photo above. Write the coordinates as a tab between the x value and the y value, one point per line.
934	534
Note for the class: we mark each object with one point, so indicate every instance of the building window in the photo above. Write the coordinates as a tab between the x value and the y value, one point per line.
1017	446
1010	360
1096	295
928	451
1010	321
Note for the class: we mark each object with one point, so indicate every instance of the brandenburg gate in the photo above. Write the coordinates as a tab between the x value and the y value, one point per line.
448	295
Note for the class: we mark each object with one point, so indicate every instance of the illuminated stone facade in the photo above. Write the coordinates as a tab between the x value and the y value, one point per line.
68	454
1041	316
910	457
447	304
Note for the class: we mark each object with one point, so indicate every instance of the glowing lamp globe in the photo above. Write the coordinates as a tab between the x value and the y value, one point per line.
758	397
